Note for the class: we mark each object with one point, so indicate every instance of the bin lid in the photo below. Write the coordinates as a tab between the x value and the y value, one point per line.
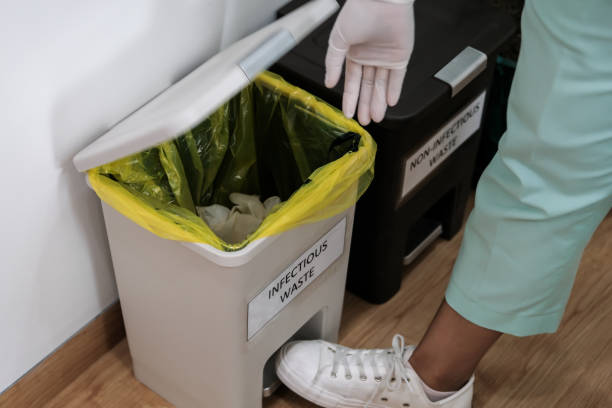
444	30
189	101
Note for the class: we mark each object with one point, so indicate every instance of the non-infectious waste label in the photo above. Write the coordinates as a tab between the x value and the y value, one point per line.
295	278
442	144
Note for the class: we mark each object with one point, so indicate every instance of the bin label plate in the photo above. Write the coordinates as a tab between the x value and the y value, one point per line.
295	278
446	140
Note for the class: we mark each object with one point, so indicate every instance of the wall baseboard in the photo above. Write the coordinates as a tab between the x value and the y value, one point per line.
64	365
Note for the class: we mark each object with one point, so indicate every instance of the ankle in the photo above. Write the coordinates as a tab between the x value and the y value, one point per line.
438	377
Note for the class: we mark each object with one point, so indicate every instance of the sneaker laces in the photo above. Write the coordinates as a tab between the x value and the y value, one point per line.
392	361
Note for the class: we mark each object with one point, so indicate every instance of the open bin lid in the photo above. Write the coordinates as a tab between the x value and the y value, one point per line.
189	101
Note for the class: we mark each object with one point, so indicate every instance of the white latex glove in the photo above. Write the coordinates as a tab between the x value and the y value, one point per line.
235	225
376	37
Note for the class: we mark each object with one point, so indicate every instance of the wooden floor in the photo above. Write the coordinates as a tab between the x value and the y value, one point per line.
572	368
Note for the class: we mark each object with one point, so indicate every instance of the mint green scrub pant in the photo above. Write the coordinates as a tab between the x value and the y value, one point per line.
550	184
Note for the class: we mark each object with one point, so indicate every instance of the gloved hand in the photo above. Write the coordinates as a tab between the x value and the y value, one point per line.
377	38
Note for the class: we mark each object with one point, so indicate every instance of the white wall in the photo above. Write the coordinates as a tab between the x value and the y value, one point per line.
69	70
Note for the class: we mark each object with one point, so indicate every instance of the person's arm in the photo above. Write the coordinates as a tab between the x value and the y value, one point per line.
376	37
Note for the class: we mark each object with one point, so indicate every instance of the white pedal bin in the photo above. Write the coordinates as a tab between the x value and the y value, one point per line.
202	323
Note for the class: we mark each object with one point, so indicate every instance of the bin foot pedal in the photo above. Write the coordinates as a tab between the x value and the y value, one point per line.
271	389
425	234
270	381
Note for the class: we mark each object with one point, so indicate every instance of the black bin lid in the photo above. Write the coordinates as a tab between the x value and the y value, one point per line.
444	28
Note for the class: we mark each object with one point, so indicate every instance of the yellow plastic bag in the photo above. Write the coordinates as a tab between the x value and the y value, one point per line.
271	139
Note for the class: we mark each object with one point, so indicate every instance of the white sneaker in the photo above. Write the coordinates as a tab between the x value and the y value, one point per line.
333	376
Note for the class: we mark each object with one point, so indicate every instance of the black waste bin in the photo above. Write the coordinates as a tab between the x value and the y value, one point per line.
427	144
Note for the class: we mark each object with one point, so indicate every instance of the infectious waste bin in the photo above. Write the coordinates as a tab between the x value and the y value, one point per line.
204	316
427	143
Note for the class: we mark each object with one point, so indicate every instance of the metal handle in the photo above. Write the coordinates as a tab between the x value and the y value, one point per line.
270	51
285	34
462	69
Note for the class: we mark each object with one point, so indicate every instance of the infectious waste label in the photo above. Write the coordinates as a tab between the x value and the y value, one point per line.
295	278
437	149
